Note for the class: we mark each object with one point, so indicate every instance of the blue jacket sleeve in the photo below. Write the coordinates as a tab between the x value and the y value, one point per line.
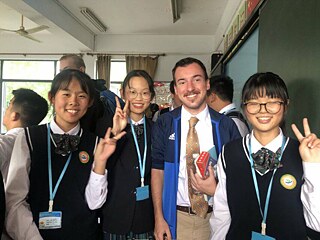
158	144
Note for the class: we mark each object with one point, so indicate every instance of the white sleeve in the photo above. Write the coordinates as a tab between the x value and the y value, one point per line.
310	195
19	222
220	219
96	190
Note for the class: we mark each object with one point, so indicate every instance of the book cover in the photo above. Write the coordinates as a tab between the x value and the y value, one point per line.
203	161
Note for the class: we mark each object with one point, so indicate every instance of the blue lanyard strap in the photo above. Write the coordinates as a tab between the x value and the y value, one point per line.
53	193
142	164
254	176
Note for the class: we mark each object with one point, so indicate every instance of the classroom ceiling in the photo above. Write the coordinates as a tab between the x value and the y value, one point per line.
68	26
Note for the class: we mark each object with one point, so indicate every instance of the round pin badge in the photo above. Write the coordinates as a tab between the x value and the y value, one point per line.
84	157
288	181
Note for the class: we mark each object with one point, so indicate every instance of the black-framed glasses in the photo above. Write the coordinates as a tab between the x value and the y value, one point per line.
271	107
132	94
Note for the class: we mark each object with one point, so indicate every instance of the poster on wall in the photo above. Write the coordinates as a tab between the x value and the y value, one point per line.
251	6
242	14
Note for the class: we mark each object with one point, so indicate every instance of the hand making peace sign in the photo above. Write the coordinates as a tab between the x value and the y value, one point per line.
309	143
120	118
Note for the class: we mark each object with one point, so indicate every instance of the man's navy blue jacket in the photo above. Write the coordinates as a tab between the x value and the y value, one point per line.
166	153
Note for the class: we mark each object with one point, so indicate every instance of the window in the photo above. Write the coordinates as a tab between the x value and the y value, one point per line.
33	74
118	72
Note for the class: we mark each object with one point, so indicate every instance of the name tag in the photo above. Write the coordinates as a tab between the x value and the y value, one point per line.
142	193
50	220
259	236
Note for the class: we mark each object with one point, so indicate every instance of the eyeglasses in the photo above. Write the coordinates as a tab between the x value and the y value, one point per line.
271	107
146	95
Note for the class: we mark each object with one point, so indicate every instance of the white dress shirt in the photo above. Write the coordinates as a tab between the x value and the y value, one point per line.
204	131
6	146
310	193
19	222
242	127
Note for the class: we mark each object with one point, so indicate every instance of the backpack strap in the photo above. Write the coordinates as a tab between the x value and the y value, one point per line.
237	114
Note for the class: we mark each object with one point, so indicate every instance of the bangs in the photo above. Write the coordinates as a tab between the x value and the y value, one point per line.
265	85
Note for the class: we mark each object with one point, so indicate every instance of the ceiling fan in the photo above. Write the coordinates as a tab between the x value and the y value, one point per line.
26	32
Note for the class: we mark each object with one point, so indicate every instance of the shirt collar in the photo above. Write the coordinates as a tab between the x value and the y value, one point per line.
228	108
202	116
13	130
141	121
273	145
56	129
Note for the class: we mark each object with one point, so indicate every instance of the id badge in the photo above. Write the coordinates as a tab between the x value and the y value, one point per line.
259	236
142	193
50	220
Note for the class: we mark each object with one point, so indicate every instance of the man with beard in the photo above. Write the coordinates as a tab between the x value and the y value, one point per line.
181	197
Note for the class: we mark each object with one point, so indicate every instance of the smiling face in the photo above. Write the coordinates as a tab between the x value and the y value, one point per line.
70	104
191	87
138	93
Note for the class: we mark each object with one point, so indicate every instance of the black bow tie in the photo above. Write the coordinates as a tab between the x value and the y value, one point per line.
139	129
265	160
65	143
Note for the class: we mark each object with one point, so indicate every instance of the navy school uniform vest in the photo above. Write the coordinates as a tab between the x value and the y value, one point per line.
78	221
121	212
285	220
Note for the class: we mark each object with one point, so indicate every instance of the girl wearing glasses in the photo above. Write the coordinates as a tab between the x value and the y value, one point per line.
264	187
127	205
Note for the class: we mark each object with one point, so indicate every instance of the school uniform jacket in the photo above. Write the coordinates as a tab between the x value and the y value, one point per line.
78	221
121	212
166	154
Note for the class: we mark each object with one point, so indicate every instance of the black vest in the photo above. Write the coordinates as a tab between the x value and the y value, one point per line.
78	221
285	220
121	212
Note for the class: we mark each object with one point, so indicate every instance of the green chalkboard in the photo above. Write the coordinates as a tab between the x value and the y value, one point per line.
289	45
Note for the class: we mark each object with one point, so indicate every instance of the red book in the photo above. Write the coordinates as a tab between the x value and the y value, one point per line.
202	162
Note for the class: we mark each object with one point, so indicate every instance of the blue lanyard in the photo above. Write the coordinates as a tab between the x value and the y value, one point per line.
53	194
141	164
254	176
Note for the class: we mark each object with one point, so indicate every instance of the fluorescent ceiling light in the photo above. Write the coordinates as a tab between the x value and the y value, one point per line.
93	19
176	9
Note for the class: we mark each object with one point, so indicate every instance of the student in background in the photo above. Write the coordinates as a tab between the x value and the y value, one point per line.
127	205
175	193
50	167
264	183
174	104
219	98
25	109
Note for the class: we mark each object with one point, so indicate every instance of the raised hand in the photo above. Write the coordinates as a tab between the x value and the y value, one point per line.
309	143
105	149
120	118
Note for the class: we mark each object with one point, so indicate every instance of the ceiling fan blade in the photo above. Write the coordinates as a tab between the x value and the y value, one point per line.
37	29
7	30
30	37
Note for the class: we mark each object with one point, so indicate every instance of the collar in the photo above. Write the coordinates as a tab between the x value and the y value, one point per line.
56	129
14	130
141	121
202	116
273	145
228	108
